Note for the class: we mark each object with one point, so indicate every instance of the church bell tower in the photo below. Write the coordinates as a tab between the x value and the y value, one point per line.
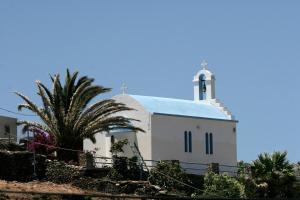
204	84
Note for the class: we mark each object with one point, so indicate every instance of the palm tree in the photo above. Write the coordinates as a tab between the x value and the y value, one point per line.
275	172
66	113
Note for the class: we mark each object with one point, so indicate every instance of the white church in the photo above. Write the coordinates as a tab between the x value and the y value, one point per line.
202	130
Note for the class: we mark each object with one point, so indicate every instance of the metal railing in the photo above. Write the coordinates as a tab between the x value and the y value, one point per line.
189	167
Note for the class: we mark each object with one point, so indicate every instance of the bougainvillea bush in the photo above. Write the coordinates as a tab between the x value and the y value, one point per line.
42	143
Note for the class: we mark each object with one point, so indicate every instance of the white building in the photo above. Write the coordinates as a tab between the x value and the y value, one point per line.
8	129
199	131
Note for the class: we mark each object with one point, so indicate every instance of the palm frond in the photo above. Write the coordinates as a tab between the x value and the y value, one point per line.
65	110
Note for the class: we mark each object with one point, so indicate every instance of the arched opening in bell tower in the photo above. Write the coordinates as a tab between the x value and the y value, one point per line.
202	87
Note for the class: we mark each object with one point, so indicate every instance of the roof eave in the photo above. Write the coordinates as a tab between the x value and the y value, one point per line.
217	119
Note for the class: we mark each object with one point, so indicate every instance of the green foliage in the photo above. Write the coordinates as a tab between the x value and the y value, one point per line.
60	172
89	160
65	112
197	181
117	147
251	188
17	166
296	191
274	175
244	177
135	171
270	175
243	168
119	168
126	169
222	186
161	173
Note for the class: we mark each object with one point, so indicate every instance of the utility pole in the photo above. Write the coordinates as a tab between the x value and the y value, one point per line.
27	144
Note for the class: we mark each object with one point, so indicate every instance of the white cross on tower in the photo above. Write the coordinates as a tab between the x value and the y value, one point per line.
204	64
123	88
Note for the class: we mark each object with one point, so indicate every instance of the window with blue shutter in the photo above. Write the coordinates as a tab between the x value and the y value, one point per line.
190	141
206	143
211	143
185	142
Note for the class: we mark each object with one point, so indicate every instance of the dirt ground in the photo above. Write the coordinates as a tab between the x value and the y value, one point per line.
41	187
38	186
35	186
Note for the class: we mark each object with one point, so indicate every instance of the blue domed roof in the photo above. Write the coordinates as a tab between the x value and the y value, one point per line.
180	107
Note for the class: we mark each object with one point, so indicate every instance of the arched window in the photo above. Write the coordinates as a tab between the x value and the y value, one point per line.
202	87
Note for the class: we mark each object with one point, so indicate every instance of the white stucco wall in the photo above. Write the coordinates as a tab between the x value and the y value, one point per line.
103	145
143	139
12	123
163	138
168	140
131	137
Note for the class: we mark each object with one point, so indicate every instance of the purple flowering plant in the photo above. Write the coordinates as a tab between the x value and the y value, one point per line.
42	143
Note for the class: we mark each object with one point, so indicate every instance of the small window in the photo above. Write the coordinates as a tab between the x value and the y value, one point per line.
188	141
185	141
206	143
209	143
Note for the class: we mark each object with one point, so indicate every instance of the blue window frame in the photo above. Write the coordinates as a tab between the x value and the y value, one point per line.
185	141
211	143
206	143
190	141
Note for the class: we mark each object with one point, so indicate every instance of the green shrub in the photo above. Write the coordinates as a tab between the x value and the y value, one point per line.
60	172
196	181
18	166
244	177
165	173
274	175
251	188
134	170
117	147
119	168
222	186
125	169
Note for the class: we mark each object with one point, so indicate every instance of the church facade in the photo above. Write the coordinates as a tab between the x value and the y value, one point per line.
202	130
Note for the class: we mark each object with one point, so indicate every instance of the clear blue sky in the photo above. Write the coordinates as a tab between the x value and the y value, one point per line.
156	47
